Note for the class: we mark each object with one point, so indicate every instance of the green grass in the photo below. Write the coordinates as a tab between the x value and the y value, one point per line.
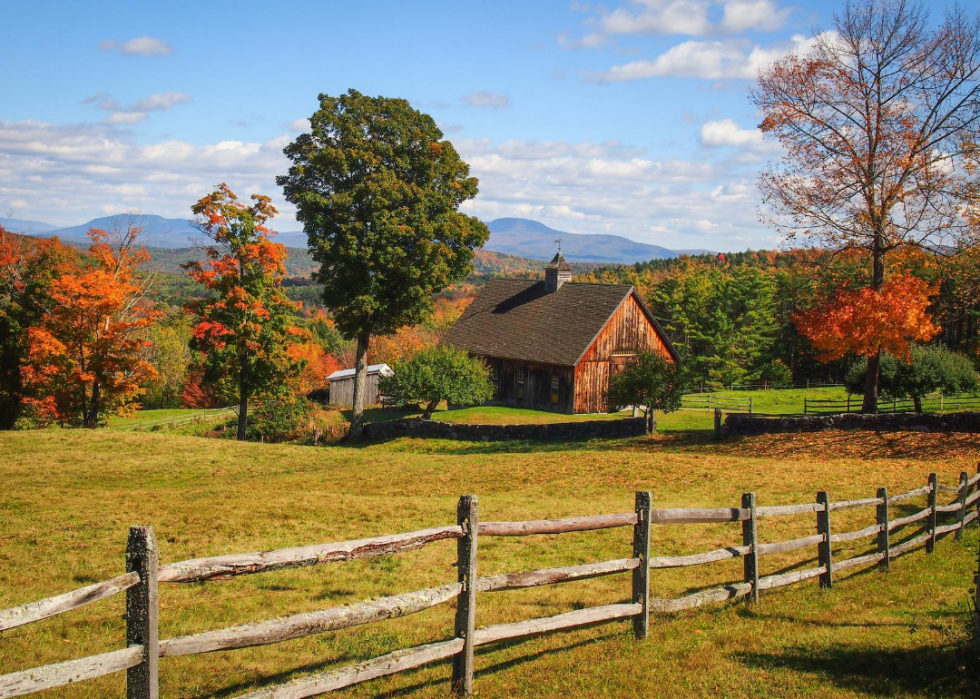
69	497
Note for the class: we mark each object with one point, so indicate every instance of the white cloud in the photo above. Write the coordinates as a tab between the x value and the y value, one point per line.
70	174
299	125
711	60
487	100
140	46
135	113
680	17
726	132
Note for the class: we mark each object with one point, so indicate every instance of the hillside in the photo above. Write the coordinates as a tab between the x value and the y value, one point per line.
526	238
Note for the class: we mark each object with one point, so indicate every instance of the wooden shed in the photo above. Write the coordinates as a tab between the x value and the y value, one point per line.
342	385
554	344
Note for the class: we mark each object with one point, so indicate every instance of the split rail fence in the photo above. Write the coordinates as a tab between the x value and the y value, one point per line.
933	403
709	401
206	415
140	658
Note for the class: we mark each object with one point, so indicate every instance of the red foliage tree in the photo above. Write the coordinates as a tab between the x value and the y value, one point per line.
85	355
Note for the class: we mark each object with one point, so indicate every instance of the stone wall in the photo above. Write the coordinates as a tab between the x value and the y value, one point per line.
417	427
739	423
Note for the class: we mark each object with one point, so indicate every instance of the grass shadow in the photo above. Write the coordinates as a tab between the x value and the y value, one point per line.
936	671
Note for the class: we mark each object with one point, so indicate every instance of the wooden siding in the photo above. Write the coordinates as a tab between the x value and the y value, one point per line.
342	391
628	332
535	391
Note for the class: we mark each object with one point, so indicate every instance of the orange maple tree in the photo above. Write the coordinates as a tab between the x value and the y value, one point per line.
247	330
869	321
85	355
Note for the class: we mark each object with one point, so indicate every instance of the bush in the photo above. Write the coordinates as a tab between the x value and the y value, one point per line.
932	369
281	419
775	374
651	381
438	374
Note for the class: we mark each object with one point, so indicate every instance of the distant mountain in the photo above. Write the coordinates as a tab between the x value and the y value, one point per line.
524	238
158	232
17	225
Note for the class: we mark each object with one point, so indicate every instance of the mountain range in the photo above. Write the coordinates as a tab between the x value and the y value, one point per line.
513	236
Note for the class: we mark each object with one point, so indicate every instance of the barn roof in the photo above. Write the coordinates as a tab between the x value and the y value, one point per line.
382	369
518	319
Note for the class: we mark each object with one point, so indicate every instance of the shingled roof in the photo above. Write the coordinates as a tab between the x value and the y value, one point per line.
518	319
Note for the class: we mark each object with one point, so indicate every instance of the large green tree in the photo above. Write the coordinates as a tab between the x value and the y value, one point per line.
377	190
651	381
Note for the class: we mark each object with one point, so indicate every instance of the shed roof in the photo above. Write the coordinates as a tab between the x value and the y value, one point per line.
519	319
382	369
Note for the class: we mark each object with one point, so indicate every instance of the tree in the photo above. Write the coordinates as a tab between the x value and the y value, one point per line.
876	121
437	374
247	329
378	192
170	355
929	369
85	358
866	322
27	268
650	380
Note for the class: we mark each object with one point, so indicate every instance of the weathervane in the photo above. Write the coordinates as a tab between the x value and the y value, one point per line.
558	240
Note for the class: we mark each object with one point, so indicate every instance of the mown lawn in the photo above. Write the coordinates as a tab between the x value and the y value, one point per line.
70	496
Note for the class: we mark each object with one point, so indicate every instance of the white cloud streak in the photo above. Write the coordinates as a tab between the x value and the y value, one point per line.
140	46
135	113
487	100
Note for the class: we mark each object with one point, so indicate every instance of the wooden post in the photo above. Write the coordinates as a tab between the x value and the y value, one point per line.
641	574
141	613
961	513
750	538
467	516
884	545
750	405
824	552
717	421
933	515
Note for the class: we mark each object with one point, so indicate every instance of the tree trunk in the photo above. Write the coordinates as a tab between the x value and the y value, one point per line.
917	402
651	416
92	417
429	409
360	378
870	404
242	397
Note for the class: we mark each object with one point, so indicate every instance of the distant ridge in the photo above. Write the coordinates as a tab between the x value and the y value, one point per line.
534	240
513	236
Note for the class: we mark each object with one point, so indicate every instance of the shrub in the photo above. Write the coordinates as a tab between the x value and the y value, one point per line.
437	374
651	381
281	419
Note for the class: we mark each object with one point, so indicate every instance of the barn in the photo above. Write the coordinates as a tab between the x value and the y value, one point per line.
342	385
553	344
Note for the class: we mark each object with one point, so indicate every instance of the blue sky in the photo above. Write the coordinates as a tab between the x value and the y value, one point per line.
629	117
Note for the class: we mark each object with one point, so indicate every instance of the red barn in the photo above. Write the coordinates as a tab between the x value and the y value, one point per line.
554	344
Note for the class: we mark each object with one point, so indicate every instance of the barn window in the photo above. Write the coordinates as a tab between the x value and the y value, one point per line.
495	380
520	383
554	389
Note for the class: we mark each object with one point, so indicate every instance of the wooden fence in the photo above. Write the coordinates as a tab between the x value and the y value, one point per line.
140	657
205	415
934	403
709	401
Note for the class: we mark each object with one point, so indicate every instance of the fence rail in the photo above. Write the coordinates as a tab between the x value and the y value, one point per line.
205	415
140	657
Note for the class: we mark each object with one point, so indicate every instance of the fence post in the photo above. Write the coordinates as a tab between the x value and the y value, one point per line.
804	402
933	515
750	560
467	516
881	517
961	513
641	574
141	613
750	405
717	421
823	548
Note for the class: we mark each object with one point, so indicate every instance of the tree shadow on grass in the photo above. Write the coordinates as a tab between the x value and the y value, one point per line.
884	672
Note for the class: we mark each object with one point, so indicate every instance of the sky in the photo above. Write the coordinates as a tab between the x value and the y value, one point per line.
630	117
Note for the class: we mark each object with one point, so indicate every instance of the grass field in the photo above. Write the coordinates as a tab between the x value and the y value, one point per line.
70	496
